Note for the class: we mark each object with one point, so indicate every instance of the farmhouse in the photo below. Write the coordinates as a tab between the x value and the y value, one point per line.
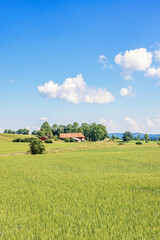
79	137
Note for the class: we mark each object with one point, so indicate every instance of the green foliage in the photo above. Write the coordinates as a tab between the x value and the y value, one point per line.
97	132
36	147
22	140
45	130
139	143
72	140
146	137
127	136
9	131
23	131
67	139
48	141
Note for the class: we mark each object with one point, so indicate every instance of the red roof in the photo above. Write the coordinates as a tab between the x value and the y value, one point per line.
71	135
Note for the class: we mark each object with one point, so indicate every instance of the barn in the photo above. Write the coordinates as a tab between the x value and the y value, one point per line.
79	137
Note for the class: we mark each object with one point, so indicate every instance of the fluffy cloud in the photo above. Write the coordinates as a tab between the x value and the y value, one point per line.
111	126
153	72
132	124
157	55
44	119
1	130
149	122
127	92
75	90
134	60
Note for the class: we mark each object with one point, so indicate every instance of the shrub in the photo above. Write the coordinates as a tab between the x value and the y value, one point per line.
158	143
48	141
72	140
36	147
138	143
16	140
22	140
67	139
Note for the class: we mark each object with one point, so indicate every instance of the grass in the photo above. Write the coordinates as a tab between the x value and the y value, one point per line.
101	191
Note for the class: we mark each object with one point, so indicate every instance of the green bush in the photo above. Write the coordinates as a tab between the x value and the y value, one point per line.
67	139
48	141
158	143
139	143
36	147
72	140
17	140
23	140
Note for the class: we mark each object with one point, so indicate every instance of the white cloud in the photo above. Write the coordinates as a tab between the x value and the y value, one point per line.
1	130
104	61
111	126
134	60
132	124
153	72
149	122
11	81
127	92
157	55
44	119
75	90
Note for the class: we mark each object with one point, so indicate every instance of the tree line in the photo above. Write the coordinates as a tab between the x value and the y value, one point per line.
92	132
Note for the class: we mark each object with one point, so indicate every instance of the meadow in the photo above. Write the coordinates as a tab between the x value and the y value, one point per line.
81	191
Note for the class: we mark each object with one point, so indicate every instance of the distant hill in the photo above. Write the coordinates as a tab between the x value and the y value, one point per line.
151	136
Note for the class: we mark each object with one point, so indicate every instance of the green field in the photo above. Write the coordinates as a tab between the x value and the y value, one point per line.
80	191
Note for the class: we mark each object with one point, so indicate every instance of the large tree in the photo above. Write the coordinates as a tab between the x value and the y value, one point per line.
127	136
46	130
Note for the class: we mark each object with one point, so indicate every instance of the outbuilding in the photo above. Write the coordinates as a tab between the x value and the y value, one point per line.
77	136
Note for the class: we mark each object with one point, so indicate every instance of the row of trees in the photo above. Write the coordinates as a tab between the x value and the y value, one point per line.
92	132
19	131
127	136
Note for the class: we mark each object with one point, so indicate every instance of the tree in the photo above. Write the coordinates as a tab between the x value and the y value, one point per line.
98	132
146	137
113	137
75	127
127	136
46	130
23	131
36	147
34	132
5	131
159	139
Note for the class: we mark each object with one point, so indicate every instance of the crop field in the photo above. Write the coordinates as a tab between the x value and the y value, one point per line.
92	191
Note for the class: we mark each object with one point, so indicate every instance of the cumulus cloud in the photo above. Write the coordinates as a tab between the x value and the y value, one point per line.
1	130
149	122
124	92
153	72
134	60
44	119
111	126
75	90
132	124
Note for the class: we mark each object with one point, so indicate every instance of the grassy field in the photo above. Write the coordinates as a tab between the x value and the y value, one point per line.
89	191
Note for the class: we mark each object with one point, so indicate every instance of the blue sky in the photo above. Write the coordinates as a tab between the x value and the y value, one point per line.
84	61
